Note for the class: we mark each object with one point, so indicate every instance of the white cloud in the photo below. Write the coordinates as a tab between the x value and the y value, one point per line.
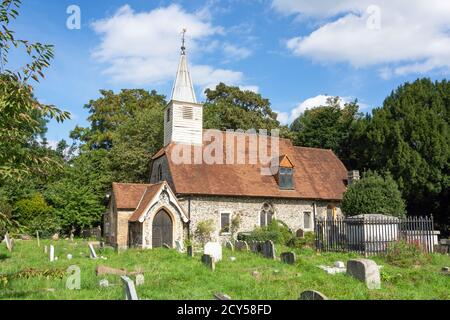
254	89
236	53
402	37
317	101
143	48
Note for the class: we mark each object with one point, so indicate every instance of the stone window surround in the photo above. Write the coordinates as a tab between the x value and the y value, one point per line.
258	216
220	221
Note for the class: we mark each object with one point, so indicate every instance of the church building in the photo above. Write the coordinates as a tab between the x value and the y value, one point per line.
184	190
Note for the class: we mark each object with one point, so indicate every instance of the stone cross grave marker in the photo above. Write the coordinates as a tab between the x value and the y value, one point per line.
9	242
208	261
92	252
241	246
288	257
365	270
268	250
312	295
129	289
179	246
190	251
52	253
214	249
229	245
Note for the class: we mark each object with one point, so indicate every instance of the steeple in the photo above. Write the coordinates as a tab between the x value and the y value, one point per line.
183	116
183	89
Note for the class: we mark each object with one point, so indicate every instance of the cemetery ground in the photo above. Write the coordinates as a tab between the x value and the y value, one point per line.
27	273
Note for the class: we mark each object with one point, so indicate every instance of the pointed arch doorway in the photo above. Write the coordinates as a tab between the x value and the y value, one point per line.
162	230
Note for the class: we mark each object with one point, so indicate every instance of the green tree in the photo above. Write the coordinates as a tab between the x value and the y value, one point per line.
373	194
229	107
77	197
410	137
328	127
109	111
138	139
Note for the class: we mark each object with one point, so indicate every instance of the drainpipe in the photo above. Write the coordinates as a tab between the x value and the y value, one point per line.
314	212
189	217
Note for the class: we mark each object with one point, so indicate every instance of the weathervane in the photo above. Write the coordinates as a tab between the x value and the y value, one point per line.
183	48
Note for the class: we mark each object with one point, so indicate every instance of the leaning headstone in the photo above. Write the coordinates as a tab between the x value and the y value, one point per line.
92	253
221	296
190	251
312	295
9	242
229	245
140	280
52	253
214	249
300	233
166	246
268	250
241	246
179	246
129	289
208	261
38	239
365	270
288	257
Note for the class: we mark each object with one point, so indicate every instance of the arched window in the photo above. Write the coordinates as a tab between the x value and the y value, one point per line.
266	215
160	173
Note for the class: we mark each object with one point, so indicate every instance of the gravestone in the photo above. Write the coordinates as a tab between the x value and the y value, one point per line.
52	253
45	249
312	295
179	246
229	245
92	253
208	261
339	264
268	250
190	251
300	233
72	231
365	270
38	239
55	237
241	246
288	257
129	289
221	296
214	249
166	246
104	283
69	257
9	242
140	280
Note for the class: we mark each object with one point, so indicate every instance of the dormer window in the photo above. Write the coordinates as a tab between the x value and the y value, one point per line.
286	178
285	174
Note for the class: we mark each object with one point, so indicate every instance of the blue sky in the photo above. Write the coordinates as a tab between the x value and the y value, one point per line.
292	52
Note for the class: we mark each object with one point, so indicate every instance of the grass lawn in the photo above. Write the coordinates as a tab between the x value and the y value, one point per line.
171	275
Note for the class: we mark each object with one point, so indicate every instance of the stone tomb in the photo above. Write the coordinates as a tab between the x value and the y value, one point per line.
208	261
268	250
129	289
288	257
214	249
365	270
241	246
312	295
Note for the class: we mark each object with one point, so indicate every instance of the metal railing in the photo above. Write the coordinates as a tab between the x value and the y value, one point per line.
372	234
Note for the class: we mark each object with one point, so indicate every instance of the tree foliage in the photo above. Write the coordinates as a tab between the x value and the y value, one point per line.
373	194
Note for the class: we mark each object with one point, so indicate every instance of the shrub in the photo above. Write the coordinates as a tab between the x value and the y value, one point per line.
204	230
405	254
277	231
373	194
36	215
307	241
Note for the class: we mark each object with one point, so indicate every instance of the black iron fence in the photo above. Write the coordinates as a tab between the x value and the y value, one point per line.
372	234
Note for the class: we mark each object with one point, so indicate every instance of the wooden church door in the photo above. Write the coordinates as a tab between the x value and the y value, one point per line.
162	230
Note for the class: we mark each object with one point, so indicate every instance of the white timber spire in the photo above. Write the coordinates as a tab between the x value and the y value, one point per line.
183	89
183	116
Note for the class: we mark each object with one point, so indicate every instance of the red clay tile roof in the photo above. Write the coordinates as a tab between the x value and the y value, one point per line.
145	199
318	174
128	195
